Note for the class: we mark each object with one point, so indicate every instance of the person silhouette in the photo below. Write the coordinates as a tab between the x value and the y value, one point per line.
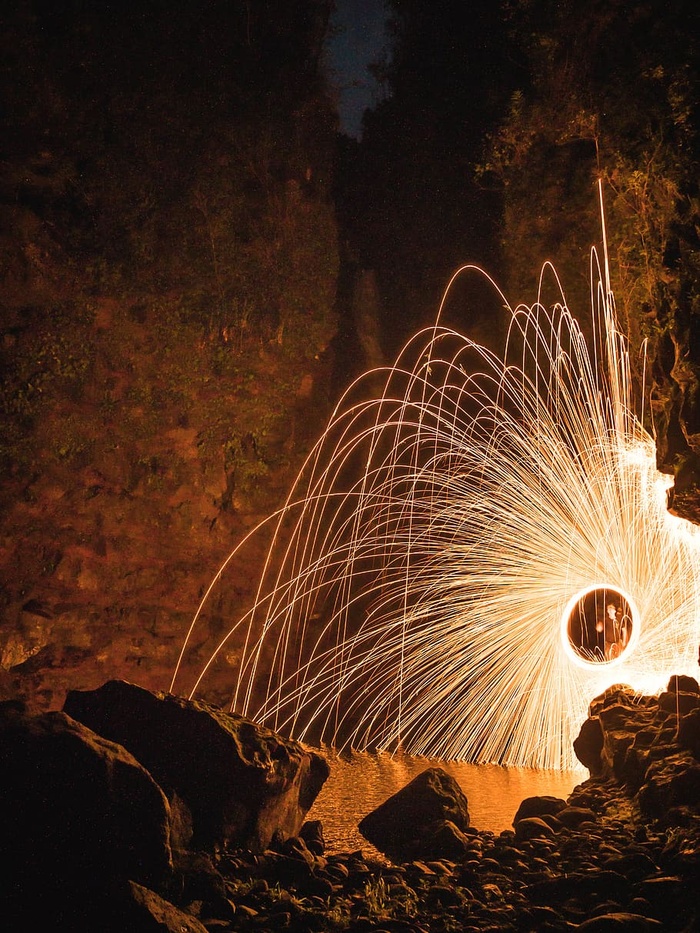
616	629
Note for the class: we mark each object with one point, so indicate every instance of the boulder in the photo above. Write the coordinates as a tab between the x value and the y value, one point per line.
446	841
572	816
683	683
426	816
532	827
243	784
627	731
648	745
671	782
589	744
616	695
689	732
679	702
544	805
75	809
312	834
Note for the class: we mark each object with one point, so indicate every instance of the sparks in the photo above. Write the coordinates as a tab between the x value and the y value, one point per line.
454	544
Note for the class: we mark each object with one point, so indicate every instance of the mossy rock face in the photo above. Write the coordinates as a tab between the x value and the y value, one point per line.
130	507
162	317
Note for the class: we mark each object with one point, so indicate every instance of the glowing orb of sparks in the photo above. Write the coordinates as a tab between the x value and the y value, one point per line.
583	626
423	573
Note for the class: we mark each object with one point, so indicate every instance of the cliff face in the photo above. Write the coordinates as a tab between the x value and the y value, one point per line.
170	257
169	253
138	451
136	485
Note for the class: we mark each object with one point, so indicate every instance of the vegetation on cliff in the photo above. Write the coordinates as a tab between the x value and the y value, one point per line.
170	255
610	91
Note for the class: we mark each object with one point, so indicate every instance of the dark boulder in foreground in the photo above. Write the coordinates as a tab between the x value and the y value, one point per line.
425	819
75	810
243	784
91	842
92	805
98	835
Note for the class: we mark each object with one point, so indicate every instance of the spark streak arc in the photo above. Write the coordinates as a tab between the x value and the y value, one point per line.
420	585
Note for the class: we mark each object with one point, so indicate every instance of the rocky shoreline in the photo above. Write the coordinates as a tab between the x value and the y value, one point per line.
96	839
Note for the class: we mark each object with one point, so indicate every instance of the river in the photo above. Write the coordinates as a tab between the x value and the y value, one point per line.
361	781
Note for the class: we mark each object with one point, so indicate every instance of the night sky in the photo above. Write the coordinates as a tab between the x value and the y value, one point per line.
359	39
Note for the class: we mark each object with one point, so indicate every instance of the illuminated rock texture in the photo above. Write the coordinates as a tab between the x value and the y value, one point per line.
243	784
160	377
648	745
426	819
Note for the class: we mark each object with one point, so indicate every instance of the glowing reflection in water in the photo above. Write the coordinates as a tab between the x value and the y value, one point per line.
361	781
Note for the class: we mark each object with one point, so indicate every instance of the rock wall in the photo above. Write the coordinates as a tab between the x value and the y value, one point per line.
137	491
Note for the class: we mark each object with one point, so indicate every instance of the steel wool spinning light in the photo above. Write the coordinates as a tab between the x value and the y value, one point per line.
468	558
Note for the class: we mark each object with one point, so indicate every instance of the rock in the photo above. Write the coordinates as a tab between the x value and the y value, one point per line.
616	695
539	806
117	907
683	683
632	771
571	817
679	702
413	823
581	886
312	834
618	737
75	809
589	744
446	841
689	732
197	876
671	782
294	862
243	784
673	901
633	865
532	827
146	912
444	895
619	922
598	861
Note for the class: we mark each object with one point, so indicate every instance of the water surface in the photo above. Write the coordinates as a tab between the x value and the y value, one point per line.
361	781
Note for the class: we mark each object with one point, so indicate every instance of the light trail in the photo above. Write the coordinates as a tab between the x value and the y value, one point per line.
432	592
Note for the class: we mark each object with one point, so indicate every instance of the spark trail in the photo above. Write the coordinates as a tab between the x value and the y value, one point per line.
428	568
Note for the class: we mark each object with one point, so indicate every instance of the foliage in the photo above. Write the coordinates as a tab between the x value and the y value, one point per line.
47	354
612	93
183	190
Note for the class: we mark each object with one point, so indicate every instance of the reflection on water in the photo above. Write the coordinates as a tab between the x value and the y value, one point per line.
360	782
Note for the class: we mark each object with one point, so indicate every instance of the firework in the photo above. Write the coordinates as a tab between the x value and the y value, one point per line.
440	576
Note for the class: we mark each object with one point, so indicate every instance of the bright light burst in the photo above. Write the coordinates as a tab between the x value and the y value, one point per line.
441	537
